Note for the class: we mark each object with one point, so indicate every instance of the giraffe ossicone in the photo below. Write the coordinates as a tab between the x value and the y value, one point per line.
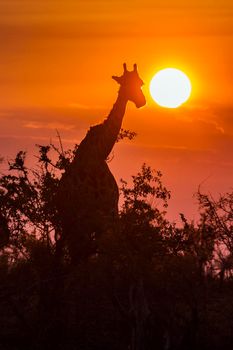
87	196
130	86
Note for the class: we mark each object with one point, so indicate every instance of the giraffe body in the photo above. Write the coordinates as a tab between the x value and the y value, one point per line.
87	198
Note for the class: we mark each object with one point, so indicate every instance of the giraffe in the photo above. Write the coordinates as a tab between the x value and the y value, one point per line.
87	196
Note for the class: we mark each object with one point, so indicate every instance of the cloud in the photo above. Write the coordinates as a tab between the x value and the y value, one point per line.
34	124
34	117
215	124
224	115
217	118
81	106
51	125
91	19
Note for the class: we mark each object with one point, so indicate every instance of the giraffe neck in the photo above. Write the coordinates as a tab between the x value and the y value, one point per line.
114	120
112	124
101	138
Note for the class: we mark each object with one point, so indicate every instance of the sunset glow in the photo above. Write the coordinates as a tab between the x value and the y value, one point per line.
170	88
116	174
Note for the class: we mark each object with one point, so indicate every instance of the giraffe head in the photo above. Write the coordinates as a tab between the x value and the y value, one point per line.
131	86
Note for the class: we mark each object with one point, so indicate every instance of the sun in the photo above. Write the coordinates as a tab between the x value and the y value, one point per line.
170	88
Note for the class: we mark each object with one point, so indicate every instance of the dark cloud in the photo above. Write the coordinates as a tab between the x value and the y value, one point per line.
91	19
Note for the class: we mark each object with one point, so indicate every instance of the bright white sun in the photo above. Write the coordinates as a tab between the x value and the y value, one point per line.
170	88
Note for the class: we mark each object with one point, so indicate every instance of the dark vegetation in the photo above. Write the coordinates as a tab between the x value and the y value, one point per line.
155	285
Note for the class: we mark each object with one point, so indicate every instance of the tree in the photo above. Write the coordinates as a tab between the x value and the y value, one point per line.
142	225
218	215
152	284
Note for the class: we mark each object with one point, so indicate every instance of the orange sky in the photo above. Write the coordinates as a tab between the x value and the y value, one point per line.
56	63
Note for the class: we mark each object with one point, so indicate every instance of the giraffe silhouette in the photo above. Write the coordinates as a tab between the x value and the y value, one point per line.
87	197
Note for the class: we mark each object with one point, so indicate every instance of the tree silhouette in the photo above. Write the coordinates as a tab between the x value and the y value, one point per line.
154	284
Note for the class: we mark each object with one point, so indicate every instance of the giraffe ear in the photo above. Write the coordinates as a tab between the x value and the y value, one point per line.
117	79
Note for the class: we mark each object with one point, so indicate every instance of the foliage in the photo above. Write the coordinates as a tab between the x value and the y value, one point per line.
155	284
124	133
